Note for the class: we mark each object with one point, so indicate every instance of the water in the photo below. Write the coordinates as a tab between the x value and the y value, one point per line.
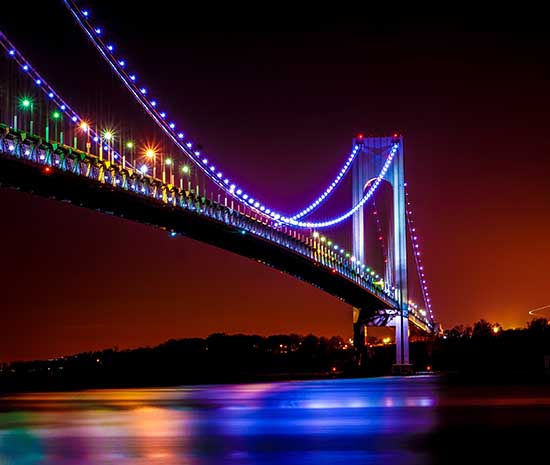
390	421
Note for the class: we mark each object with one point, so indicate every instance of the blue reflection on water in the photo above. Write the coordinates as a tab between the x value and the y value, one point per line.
304	422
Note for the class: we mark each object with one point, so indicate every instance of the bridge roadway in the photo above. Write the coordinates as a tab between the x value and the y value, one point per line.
29	164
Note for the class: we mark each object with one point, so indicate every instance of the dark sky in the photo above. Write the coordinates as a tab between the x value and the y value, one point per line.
277	94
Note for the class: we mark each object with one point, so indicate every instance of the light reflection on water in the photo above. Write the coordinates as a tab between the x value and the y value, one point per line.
384	420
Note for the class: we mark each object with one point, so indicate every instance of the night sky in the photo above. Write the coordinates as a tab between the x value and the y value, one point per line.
277	95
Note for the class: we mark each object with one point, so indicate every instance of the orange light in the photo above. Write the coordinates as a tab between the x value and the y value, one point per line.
496	329
84	126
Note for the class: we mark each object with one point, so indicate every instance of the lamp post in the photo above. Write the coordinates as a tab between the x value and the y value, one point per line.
27	104
151	154
185	171
56	116
169	163
130	147
109	136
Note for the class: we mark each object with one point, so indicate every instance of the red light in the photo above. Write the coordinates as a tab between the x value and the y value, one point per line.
334	270
47	169
429	368
395	135
333	369
360	136
380	238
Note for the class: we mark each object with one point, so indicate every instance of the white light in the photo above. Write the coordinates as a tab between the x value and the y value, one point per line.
38	82
143	170
181	135
122	63
245	196
154	103
98	30
63	107
51	95
143	90
133	77
85	13
110	47
172	125
25	67
12	52
239	191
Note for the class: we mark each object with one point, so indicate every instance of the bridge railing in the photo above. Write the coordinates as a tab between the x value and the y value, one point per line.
33	149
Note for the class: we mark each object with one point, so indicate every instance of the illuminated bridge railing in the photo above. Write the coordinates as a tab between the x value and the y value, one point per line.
32	149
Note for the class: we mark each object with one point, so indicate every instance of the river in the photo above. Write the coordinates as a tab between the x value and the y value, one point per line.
393	421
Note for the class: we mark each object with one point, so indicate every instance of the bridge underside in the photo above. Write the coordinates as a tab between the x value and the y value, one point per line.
80	191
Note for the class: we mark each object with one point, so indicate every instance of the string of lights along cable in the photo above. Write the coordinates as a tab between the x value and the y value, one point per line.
417	254
119	65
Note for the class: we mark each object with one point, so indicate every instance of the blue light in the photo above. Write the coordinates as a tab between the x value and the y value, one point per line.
163	115
189	144
219	175
110	48
63	107
38	82
205	161
51	95
212	168
173	233
25	67
143	169
143	90
245	196
12	52
172	125
133	77
243	231
96	139
85	13
74	118
122	63
181	135
154	103
98	31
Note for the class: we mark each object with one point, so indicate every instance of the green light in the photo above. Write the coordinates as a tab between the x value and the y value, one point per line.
25	103
347	255
168	161
108	135
185	169
130	145
56	115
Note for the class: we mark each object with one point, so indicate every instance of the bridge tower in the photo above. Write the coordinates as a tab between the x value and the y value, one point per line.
370	160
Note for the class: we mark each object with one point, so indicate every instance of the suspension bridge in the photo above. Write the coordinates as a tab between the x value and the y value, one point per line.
49	148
